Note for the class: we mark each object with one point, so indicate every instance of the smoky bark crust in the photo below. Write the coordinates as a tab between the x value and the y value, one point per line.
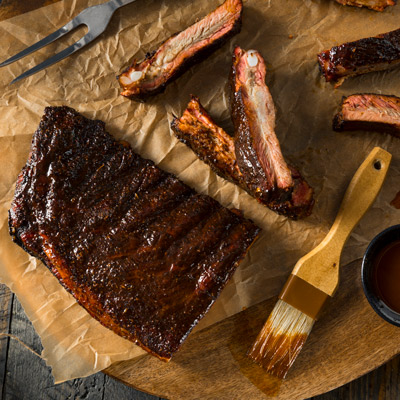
141	251
361	56
211	143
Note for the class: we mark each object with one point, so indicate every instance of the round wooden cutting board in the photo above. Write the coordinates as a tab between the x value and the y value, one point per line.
348	341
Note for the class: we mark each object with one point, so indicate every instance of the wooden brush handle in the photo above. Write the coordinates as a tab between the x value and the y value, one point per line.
320	267
360	194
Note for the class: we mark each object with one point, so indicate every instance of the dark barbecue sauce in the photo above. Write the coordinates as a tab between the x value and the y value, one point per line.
386	275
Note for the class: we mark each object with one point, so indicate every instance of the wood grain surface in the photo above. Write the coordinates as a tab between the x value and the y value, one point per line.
212	365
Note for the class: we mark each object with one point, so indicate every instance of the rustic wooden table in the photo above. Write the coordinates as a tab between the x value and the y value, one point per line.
23	375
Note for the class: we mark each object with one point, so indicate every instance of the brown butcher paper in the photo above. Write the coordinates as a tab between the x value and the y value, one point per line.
288	34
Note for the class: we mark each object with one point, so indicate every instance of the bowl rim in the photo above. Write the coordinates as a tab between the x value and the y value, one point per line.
381	240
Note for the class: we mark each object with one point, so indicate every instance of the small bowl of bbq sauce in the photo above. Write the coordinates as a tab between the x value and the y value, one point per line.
380	274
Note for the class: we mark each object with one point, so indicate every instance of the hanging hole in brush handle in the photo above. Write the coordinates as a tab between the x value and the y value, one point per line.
361	192
377	165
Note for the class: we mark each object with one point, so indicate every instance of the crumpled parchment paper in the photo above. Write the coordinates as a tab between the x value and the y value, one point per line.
289	34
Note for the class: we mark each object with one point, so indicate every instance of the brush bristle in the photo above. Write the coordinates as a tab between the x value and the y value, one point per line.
281	339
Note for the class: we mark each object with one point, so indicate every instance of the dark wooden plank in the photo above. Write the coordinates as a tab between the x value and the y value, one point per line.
11	8
116	390
6	300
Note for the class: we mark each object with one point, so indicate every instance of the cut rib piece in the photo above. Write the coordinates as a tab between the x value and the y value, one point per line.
214	146
253	113
257	148
181	51
361	56
211	143
373	112
376	5
141	251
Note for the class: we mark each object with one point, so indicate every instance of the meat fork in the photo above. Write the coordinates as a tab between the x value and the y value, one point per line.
96	18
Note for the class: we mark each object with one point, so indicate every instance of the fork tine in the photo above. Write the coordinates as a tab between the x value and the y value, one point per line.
58	57
68	27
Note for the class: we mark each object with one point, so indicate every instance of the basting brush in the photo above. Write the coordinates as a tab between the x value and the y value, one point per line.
315	277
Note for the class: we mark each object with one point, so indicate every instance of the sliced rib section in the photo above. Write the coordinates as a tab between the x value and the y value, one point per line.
141	251
181	51
253	113
210	142
214	146
372	112
257	148
376	5
361	56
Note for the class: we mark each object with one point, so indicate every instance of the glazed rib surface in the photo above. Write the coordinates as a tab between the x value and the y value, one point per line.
361	56
373	112
257	148
141	251
253	113
181	51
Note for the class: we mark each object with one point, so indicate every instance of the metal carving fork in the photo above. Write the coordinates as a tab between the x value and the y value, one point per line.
96	18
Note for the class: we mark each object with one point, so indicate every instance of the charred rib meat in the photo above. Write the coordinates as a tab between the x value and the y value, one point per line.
210	142
359	57
257	148
142	252
253	113
181	51
373	112
238	159
214	146
377	5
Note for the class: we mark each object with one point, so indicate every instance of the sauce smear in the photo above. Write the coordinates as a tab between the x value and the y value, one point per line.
386	275
396	201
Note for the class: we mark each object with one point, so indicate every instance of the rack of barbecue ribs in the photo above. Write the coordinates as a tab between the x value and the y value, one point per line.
141	251
372	112
252	159
375	53
376	5
181	51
